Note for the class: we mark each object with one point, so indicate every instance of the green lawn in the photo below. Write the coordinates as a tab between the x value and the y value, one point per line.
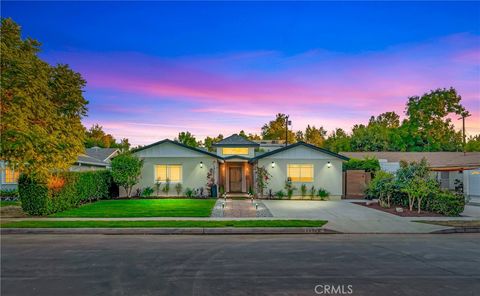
170	223
143	208
9	203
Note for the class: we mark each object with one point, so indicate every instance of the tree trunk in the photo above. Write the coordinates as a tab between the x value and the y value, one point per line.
419	203
410	202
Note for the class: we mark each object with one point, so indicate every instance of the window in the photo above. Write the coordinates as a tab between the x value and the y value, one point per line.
300	172
235	151
11	176
171	171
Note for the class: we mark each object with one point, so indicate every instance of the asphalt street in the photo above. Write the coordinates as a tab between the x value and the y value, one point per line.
240	265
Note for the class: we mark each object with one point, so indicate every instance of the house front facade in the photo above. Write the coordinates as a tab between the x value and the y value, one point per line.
233	164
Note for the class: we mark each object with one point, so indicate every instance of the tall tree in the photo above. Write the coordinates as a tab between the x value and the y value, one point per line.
276	129
473	144
187	138
315	136
41	107
209	141
96	136
428	126
338	141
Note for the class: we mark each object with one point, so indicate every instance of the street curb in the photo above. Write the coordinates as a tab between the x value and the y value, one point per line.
167	231
458	230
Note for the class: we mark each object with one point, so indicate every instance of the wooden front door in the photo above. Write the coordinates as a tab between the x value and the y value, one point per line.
235	179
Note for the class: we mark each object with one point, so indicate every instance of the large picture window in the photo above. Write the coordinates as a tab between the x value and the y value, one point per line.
300	172
11	176
173	172
235	151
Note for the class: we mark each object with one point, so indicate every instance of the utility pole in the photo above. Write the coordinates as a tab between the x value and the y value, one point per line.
287	123
464	115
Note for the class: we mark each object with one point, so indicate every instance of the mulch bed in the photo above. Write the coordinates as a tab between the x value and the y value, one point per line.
406	212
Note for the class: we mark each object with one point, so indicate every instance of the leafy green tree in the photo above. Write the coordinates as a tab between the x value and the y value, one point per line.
187	138
243	134
315	136
381	134
209	141
126	170
275	129
41	108
338	141
473	144
428	126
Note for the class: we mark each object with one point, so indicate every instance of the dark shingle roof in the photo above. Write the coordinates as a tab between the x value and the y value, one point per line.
100	153
85	159
237	141
176	143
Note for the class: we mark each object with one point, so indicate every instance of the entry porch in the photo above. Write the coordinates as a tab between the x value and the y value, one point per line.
236	176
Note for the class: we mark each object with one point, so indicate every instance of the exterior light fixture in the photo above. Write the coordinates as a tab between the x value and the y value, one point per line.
329	164
223	205
256	206
201	164
273	164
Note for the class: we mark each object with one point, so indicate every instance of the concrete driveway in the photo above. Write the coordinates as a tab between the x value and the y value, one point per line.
347	217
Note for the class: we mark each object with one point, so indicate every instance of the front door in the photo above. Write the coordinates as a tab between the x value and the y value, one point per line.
235	179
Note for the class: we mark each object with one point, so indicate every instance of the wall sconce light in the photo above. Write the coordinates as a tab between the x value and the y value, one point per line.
273	164
329	164
201	164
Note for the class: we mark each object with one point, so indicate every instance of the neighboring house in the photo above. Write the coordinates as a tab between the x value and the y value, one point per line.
233	165
450	168
94	159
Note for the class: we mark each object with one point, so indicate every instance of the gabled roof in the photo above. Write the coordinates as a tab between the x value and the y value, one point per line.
178	144
100	153
434	159
237	141
85	159
296	145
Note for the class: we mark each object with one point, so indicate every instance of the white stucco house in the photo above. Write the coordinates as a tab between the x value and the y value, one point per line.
232	166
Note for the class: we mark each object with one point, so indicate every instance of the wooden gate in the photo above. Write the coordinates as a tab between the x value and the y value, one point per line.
356	181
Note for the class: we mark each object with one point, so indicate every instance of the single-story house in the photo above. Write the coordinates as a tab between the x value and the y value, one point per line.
94	158
232	166
452	169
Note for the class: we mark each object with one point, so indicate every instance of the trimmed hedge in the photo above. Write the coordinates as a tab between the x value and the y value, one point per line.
446	203
64	191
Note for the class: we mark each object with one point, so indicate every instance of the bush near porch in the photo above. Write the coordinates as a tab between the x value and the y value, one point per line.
63	191
412	186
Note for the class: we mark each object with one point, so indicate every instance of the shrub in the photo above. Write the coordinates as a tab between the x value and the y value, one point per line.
188	192
323	193
303	190
158	187
280	194
369	164
12	193
446	203
178	188
221	190
166	187
147	191
289	187
63	191
312	192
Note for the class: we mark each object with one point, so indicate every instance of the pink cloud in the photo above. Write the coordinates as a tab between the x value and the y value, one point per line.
227	93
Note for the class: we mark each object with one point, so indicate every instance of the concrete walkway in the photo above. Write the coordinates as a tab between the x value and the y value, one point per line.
239	208
346	217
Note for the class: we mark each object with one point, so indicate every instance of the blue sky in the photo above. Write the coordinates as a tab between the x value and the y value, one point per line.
197	62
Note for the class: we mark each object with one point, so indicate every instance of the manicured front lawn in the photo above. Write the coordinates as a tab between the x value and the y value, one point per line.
170	223
143	208
9	203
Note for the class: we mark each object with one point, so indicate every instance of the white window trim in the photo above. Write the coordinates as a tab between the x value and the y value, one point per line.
300	164
167	165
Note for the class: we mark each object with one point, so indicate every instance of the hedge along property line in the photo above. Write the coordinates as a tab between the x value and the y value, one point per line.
63	191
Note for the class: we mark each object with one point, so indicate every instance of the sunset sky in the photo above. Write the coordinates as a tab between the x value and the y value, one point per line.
154	69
